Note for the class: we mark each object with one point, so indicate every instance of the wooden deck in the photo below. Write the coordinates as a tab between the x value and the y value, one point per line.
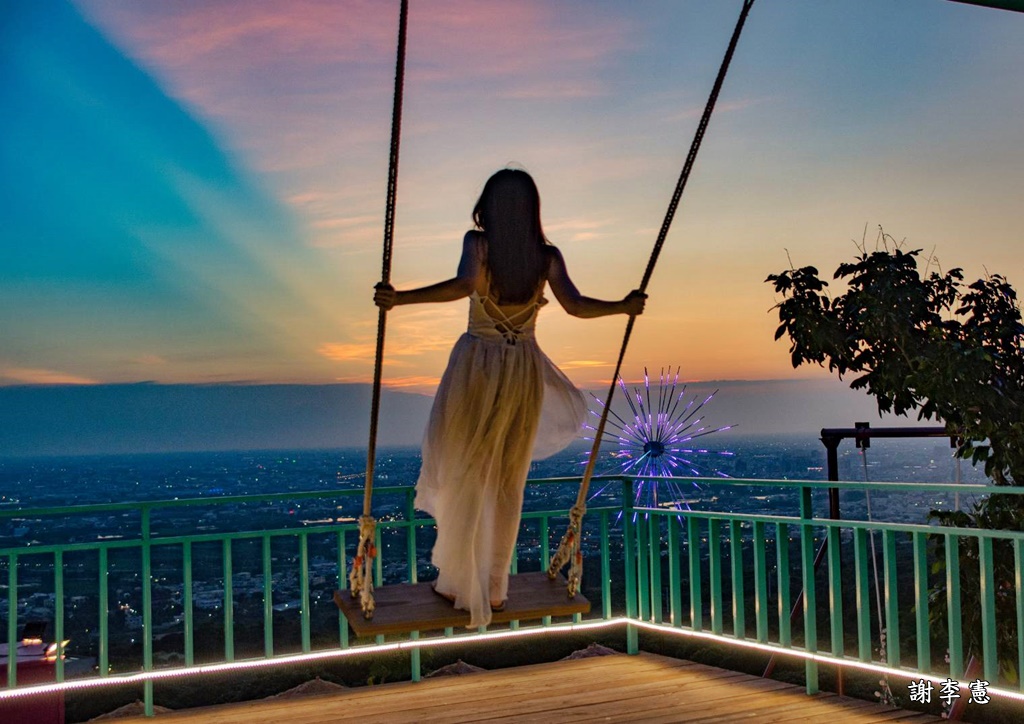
619	688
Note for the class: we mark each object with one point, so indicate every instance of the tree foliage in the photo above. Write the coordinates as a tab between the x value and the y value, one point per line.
926	342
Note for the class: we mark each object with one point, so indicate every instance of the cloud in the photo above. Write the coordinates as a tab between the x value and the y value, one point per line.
411	335
721	107
35	376
424	384
347	352
583	364
150	360
301	68
563	90
421	383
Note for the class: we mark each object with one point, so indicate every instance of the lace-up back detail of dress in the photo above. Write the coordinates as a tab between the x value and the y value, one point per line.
509	323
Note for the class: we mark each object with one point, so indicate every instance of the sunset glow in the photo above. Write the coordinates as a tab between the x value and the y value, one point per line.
194	192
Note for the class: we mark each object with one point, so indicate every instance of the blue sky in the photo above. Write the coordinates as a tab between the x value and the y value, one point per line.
193	192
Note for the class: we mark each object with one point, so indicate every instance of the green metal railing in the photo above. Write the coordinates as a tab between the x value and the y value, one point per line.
727	576
727	560
285	551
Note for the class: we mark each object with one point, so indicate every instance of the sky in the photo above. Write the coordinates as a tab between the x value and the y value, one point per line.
193	192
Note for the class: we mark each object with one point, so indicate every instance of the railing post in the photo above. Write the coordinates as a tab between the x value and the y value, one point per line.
606	569
921	593
103	584
58	615
186	602
304	599
410	541
415	666
674	582
783	572
229	603
268	599
892	605
835	590
760	582
954	620
715	573
342	587
696	594
378	562
545	554
643	569
739	623
147	610
654	559
810	595
630	564
12	614
643	566
861	583
987	595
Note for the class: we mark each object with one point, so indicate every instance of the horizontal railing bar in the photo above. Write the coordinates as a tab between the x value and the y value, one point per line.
247	498
131	543
840	523
894	487
134	543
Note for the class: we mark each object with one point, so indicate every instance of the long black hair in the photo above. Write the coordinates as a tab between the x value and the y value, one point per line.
508	213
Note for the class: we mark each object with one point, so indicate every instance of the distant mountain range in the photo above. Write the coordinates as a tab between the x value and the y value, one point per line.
85	419
148	417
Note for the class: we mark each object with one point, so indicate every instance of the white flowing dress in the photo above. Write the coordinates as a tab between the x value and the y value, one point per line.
501	403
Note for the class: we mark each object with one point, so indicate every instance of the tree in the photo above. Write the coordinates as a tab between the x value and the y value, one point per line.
919	342
951	351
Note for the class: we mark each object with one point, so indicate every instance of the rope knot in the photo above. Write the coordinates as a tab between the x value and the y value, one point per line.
360	579
569	550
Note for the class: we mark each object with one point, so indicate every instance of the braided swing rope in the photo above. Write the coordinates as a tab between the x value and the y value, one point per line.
361	577
569	548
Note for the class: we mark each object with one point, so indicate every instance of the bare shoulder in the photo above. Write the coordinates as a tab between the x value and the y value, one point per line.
552	253
476	241
554	257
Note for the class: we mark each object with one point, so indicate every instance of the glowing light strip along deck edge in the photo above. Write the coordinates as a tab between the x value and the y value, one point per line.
143	676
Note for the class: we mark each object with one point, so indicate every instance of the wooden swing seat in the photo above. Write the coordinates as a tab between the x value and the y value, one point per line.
409	607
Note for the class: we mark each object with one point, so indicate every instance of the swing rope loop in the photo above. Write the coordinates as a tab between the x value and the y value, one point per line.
569	549
361	578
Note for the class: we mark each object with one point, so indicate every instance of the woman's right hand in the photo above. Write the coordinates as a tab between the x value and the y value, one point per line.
385	296
633	304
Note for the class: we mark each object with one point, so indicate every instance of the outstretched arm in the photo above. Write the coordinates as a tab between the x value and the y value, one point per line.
587	307
459	286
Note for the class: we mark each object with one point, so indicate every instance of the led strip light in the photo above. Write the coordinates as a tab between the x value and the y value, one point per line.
143	676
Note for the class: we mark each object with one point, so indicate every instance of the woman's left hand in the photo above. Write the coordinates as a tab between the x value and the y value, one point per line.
634	303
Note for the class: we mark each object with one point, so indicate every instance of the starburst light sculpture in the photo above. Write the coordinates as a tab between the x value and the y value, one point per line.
660	441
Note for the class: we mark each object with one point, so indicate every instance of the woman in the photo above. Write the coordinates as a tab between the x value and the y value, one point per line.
487	420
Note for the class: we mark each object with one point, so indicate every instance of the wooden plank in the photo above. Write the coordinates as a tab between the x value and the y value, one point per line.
563	696
415	607
635	703
505	690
